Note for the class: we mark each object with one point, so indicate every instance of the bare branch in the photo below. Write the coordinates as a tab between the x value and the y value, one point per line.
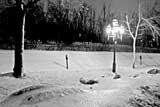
139	20
140	34
141	29
155	17
129	28
154	28
143	25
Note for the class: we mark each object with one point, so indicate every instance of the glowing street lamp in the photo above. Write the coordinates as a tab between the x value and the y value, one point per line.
114	31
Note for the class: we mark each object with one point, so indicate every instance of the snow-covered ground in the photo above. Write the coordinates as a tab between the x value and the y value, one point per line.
61	87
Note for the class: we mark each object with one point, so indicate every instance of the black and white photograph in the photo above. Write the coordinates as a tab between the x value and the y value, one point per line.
79	53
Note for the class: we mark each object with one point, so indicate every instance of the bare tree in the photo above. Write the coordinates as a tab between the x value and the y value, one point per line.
134	34
21	8
138	24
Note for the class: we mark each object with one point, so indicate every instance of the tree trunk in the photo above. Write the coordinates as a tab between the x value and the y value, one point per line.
134	53
19	43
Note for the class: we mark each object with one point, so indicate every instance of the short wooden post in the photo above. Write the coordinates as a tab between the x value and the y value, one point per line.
66	61
140	57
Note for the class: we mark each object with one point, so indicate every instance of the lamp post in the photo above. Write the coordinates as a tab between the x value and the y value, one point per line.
115	32
114	57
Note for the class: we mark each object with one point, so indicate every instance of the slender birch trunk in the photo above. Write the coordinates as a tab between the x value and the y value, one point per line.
134	53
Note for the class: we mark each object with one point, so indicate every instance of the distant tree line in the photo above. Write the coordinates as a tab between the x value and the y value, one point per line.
62	23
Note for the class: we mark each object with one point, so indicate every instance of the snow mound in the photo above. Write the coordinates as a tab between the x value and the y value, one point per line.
88	82
36	98
22	92
117	76
37	94
49	94
26	90
154	71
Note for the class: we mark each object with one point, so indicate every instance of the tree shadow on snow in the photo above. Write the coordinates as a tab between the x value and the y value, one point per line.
151	65
59	64
8	74
145	64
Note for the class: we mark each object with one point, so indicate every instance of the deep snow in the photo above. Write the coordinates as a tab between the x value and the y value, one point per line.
62	87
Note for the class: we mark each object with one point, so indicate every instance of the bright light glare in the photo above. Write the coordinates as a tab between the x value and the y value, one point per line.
108	29
114	31
121	29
